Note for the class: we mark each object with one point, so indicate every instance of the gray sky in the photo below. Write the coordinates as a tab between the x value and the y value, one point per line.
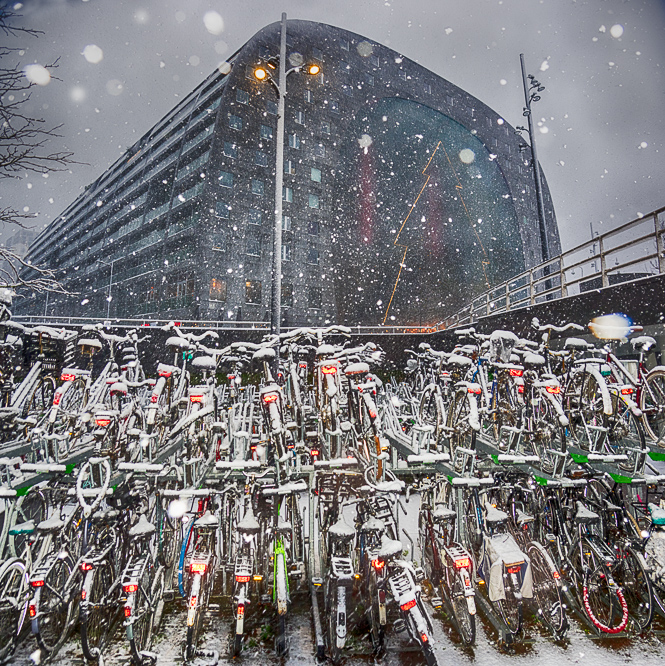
602	116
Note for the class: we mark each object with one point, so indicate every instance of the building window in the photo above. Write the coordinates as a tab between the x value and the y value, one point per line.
261	158
370	79
264	51
309	97
375	60
313	228
225	179
314	297
286	223
257	187
344	44
253	291
222	210
290	167
254	247
300	117
242	96
255	216
334	106
313	200
230	149
287	295
266	132
319	150
235	122
271	107
428	88
217	289
313	256
317	54
287	194
348	91
294	141
249	73
344	65
402	74
286	251
325	127
315	175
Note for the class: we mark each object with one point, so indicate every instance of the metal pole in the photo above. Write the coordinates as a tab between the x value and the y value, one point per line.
276	296
108	304
536	167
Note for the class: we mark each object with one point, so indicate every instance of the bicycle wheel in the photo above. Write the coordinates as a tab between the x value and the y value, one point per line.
14	592
549	437
632	577
461	434
139	631
510	608
652	404
55	608
335	652
377	630
98	612
431	410
547	594
466	623
626	436
194	630
40	399
280	636
585	410
31	507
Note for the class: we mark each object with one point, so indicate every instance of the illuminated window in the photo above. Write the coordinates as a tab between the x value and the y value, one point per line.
252	291
217	289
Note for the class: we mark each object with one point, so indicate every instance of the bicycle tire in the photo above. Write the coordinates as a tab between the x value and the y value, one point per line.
139	631
377	630
626	435
546	592
335	652
280	636
13	586
31	507
461	434
194	630
652	404
631	575
511	612
95	624
549	437
588	416
55	609
466	623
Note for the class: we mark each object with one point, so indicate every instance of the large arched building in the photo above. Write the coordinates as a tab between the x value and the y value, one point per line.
404	196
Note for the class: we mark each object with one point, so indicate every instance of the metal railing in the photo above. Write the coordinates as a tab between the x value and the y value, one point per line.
633	251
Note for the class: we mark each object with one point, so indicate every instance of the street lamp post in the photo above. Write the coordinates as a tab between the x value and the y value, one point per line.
108	298
531	90
263	73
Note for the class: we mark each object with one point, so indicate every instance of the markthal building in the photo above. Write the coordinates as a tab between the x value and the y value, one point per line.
403	197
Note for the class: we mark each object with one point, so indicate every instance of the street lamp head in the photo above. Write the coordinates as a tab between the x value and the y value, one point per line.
313	69
260	73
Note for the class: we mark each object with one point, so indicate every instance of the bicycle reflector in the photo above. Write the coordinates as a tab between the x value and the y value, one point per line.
329	369
243	579
553	389
408	605
556	575
474	389
463	563
86	566
423	637
67	377
314	452
378	564
154	397
514	568
196	398
516	372
520	388
198	567
241	610
130	588
37	583
33	610
165	373
192	601
627	391
372	414
103	421
302	364
270	397
128	611
57	397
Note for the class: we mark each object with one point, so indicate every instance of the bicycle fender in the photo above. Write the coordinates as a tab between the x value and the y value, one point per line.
602	385
474	420
563	419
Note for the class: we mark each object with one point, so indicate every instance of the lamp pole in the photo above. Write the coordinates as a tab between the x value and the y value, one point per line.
531	90
108	298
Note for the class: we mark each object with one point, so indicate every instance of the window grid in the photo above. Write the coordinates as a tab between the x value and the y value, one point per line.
257	187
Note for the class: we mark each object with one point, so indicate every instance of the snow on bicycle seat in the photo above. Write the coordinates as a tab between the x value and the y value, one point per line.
389	548
207	520
494	515
90	342
657	514
177	342
283	525
52	524
426	458
533	359
356	369
143	528
23	528
118	387
442	513
390	486
265	354
585	516
204	363
643	343
325	350
341	530
459	360
373	525
577	343
249	524
523	518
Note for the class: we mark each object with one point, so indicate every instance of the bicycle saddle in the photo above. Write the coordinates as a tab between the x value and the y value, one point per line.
207	520
142	529
494	515
643	343
585	516
249	524
577	343
389	548
373	525
341	530
52	524
442	513
523	518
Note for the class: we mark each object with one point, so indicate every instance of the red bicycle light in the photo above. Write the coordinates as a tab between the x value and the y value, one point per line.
192	601
378	564
128	611
372	414
196	398
165	373
87	566
84	594
302	365
515	568
463	563
230	377
241	610
37	583
314	452
67	377
130	588
198	567
243	579
408	605
553	389
329	369
57	397
627	391
556	575
102	421
154	398
270	397
516	372
474	389
423	637
33	610
520	388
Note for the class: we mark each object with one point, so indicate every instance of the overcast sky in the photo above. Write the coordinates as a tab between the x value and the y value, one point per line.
602	116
